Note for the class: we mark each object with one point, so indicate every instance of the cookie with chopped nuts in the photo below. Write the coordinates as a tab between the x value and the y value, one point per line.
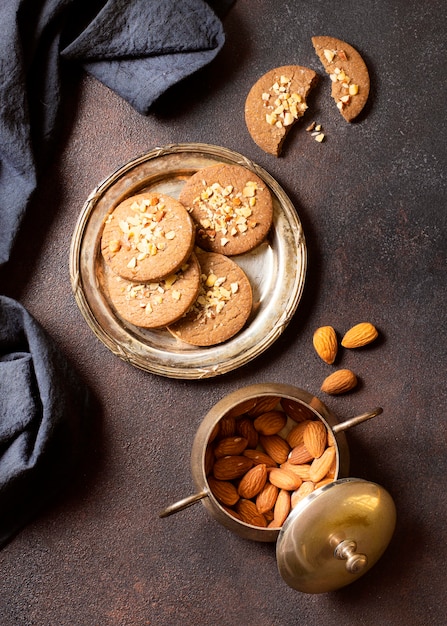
231	207
348	73
222	307
275	103
147	236
155	304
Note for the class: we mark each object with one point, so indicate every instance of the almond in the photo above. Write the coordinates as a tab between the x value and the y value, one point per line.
323	482
245	428
263	405
296	411
253	481
315	438
320	467
270	423
339	382
242	408
295	436
302	470
359	335
230	445
257	456
283	479
282	507
303	490
224	491
227	426
266	498
231	467
325	343
250	514
299	455
209	459
276	447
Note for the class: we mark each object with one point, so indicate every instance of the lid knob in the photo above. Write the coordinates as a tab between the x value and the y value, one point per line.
355	562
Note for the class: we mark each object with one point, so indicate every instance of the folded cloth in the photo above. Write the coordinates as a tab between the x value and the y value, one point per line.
138	48
45	411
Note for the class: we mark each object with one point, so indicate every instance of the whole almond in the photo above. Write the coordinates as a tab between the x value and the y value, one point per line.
276	447
302	470
245	428
257	457
270	423
303	490
295	436
241	408
231	467
266	498
252	482
224	491
249	513
325	343
315	438
320	467
282	507
323	482
283	479
295	410
339	382
227	426
263	405
299	455
359	335
230	445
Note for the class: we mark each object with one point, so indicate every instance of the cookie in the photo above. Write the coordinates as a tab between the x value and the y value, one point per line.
231	207
275	102
222	307
348	73
147	237
155	304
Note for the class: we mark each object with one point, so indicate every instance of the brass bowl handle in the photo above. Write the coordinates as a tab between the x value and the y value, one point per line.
183	504
353	421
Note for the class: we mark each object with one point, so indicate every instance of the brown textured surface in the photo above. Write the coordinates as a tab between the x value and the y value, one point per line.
372	202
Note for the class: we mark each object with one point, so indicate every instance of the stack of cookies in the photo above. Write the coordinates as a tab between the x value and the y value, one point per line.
168	261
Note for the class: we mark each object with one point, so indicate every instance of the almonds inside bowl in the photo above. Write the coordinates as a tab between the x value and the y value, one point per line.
273	458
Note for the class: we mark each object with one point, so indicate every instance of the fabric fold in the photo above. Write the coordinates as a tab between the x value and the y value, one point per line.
45	412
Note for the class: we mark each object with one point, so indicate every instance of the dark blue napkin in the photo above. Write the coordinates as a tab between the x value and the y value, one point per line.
138	48
45	414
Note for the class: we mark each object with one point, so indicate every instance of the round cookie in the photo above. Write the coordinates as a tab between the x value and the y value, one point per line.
155	304
222	307
275	102
147	236
348	73
231	207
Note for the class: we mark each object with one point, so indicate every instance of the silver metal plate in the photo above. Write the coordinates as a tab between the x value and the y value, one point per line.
276	268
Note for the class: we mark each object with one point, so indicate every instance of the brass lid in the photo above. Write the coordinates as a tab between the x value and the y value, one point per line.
335	535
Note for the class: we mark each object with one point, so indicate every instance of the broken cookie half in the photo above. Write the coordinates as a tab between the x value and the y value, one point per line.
348	73
275	102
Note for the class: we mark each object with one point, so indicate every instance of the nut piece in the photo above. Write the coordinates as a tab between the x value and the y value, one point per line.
339	382
325	343
250	514
320	467
224	491
230	445
276	447
283	479
266	498
231	467
359	335
270	423
253	481
315	438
